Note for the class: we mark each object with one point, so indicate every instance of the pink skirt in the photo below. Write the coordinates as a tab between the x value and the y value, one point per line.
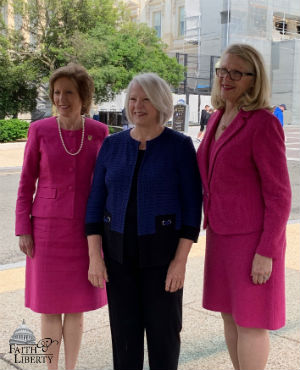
228	285
57	275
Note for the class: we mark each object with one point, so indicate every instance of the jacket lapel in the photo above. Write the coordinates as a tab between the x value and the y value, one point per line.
203	150
237	124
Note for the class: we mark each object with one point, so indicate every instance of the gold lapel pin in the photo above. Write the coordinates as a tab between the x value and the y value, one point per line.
90	137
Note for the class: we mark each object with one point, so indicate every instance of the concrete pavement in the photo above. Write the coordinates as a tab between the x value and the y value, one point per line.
203	345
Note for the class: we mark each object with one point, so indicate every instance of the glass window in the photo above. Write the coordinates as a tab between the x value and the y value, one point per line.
181	27
157	23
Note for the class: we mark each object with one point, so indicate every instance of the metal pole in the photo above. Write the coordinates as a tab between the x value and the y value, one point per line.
198	71
228	22
187	97
199	104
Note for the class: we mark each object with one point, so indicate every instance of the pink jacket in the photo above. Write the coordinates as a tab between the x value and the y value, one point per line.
245	181
63	180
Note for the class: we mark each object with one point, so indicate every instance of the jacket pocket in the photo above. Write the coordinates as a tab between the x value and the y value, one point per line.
165	223
47	193
106	235
107	220
159	249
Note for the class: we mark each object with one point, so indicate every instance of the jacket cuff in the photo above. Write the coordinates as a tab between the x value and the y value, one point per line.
189	232
272	245
94	228
23	228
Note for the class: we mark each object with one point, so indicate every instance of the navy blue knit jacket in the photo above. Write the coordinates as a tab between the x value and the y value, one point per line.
169	195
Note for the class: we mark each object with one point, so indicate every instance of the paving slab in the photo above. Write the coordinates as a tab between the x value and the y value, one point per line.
203	346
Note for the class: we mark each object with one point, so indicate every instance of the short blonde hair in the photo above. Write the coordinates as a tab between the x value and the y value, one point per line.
259	95
82	80
157	91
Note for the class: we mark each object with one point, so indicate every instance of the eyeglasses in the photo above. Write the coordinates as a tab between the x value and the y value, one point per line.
233	74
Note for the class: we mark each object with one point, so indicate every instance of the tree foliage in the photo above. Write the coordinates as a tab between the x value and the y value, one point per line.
18	88
95	33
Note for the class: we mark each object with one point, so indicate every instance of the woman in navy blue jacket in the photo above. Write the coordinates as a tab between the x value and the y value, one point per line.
144	209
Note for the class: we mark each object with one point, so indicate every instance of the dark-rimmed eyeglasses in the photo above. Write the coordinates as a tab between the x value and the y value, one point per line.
233	74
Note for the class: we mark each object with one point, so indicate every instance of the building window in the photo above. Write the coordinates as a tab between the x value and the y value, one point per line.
181	27
225	16
157	23
281	27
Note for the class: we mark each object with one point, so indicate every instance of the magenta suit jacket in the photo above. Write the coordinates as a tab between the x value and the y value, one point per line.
245	180
63	180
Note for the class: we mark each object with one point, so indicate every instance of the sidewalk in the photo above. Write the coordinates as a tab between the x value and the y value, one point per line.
203	346
11	154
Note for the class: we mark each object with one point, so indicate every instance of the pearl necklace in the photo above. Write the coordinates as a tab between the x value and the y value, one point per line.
62	140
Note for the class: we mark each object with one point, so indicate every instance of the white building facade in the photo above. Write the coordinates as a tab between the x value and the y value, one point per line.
201	29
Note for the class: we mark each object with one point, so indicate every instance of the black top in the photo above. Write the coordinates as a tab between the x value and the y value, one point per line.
204	117
131	251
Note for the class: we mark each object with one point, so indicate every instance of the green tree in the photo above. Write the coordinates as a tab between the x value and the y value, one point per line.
95	33
18	88
114	57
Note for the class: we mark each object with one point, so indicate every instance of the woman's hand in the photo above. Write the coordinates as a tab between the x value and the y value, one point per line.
261	269
176	270
26	244
97	273
175	275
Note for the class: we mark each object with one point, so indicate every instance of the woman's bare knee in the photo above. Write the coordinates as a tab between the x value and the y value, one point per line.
228	319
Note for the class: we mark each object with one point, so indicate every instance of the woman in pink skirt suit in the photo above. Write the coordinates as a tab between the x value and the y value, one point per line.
247	200
59	160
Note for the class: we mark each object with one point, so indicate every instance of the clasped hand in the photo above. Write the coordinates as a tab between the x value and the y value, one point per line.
97	273
175	276
26	245
261	269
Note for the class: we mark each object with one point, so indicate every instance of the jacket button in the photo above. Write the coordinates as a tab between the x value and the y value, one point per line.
166	222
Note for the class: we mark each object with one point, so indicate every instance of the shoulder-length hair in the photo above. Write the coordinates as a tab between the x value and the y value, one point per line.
157	91
82	80
258	96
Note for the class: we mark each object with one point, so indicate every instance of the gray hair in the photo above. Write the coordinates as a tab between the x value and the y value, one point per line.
157	91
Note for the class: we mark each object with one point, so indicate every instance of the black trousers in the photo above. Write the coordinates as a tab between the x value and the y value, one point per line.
137	302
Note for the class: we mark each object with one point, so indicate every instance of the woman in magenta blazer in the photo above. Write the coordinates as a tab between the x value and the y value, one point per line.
59	160
247	200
